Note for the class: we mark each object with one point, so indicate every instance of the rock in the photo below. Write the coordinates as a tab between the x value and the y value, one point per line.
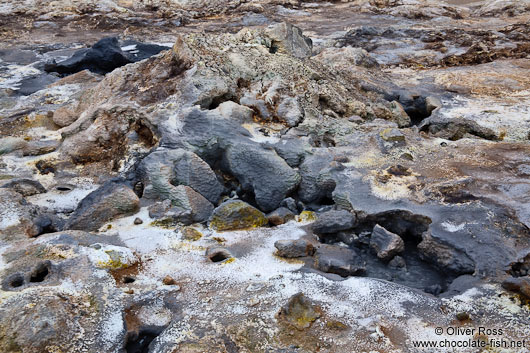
462	316
162	170
386	244
432	103
191	234
25	187
109	201
10	144
44	223
184	205
104	56
457	128
280	216
292	150
317	182
290	112
138	221
346	57
233	111
218	254
299	312
392	135
333	221
288	39
445	256
294	248
263	172
338	260
397	262
64	116
169	281
37	148
290	204
234	215
518	284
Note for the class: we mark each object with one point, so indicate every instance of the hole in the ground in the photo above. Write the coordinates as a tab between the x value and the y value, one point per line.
219	256
40	273
16	281
138	342
64	188
128	279
274	47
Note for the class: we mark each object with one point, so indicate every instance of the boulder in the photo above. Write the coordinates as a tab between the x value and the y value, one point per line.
262	172
109	201
236	214
457	128
333	221
280	216
294	248
25	187
386	244
290	112
183	205
64	116
316	180
104	56
161	170
338	260
232	110
37	148
445	256
288	39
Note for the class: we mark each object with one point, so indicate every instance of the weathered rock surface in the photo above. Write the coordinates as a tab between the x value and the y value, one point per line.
235	214
338	260
386	244
333	221
294	248
111	200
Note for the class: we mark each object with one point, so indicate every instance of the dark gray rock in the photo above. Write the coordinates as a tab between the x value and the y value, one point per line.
444	256
163	170
185	206
397	262
292	150
290	204
317	182
294	248
386	244
280	216
109	201
338	260
333	221
25	187
519	284
104	56
456	128
262	172
44	223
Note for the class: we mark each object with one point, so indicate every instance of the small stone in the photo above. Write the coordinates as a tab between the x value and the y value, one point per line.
294	248
299	312
138	221
462	316
386	244
191	234
392	135
169	281
397	262
280	216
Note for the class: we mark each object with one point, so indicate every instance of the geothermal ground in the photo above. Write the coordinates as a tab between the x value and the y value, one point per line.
277	176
